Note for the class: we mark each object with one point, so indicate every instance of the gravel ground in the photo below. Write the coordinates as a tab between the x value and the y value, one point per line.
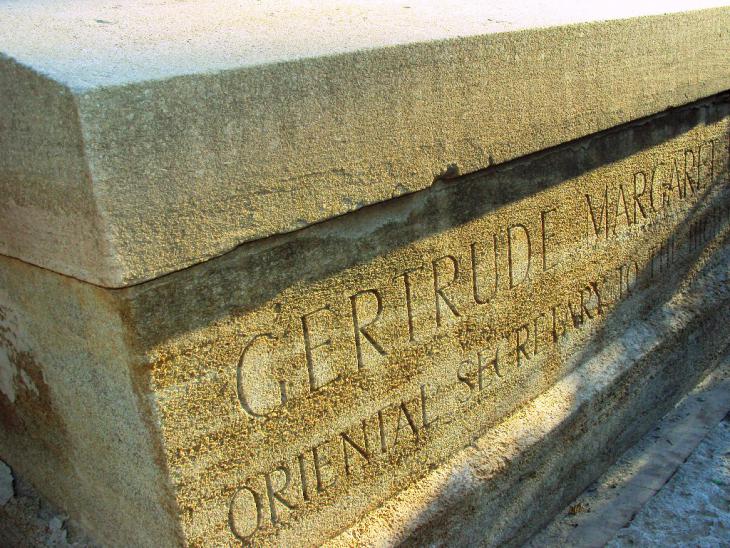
693	508
26	520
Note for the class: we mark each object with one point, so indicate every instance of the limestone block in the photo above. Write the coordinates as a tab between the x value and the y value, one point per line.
452	363
144	137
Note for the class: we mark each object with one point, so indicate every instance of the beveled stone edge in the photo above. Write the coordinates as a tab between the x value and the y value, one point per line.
130	262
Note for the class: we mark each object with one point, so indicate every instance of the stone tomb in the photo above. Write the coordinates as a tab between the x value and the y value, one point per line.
282	390
449	365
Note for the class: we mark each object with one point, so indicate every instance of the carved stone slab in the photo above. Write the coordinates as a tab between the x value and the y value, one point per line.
281	392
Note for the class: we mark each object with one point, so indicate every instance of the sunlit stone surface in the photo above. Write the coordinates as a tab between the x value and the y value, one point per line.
449	365
144	137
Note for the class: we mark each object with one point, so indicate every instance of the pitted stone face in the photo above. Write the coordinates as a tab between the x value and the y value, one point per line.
303	380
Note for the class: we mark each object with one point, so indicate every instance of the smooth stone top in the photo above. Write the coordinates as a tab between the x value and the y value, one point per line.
139	138
89	44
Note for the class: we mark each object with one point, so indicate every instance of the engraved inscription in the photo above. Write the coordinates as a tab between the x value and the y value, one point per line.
392	339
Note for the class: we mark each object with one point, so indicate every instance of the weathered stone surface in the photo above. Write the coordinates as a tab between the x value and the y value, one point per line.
74	419
516	477
278	393
141	139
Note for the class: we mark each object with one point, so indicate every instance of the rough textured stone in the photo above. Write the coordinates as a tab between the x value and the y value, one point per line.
141	138
6	483
700	490
517	476
279	393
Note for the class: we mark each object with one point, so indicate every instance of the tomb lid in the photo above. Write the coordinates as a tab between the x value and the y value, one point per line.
139	138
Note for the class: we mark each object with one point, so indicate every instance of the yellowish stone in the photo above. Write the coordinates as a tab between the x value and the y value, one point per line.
444	365
144	137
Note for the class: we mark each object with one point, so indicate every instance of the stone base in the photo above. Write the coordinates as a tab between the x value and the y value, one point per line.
324	384
648	475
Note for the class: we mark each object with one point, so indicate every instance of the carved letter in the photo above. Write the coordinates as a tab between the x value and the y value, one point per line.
638	206
409	300
320	463
474	276
675	181
238	517
599	297
522	345
559	328
438	289
310	347
623	206
275	495
462	375
537	331
511	252
485	364
381	432
361	329
303	476
602	214
424	415
657	202
403	412
249	374
364	452
585	297
625	282
704	178
546	235
688	181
